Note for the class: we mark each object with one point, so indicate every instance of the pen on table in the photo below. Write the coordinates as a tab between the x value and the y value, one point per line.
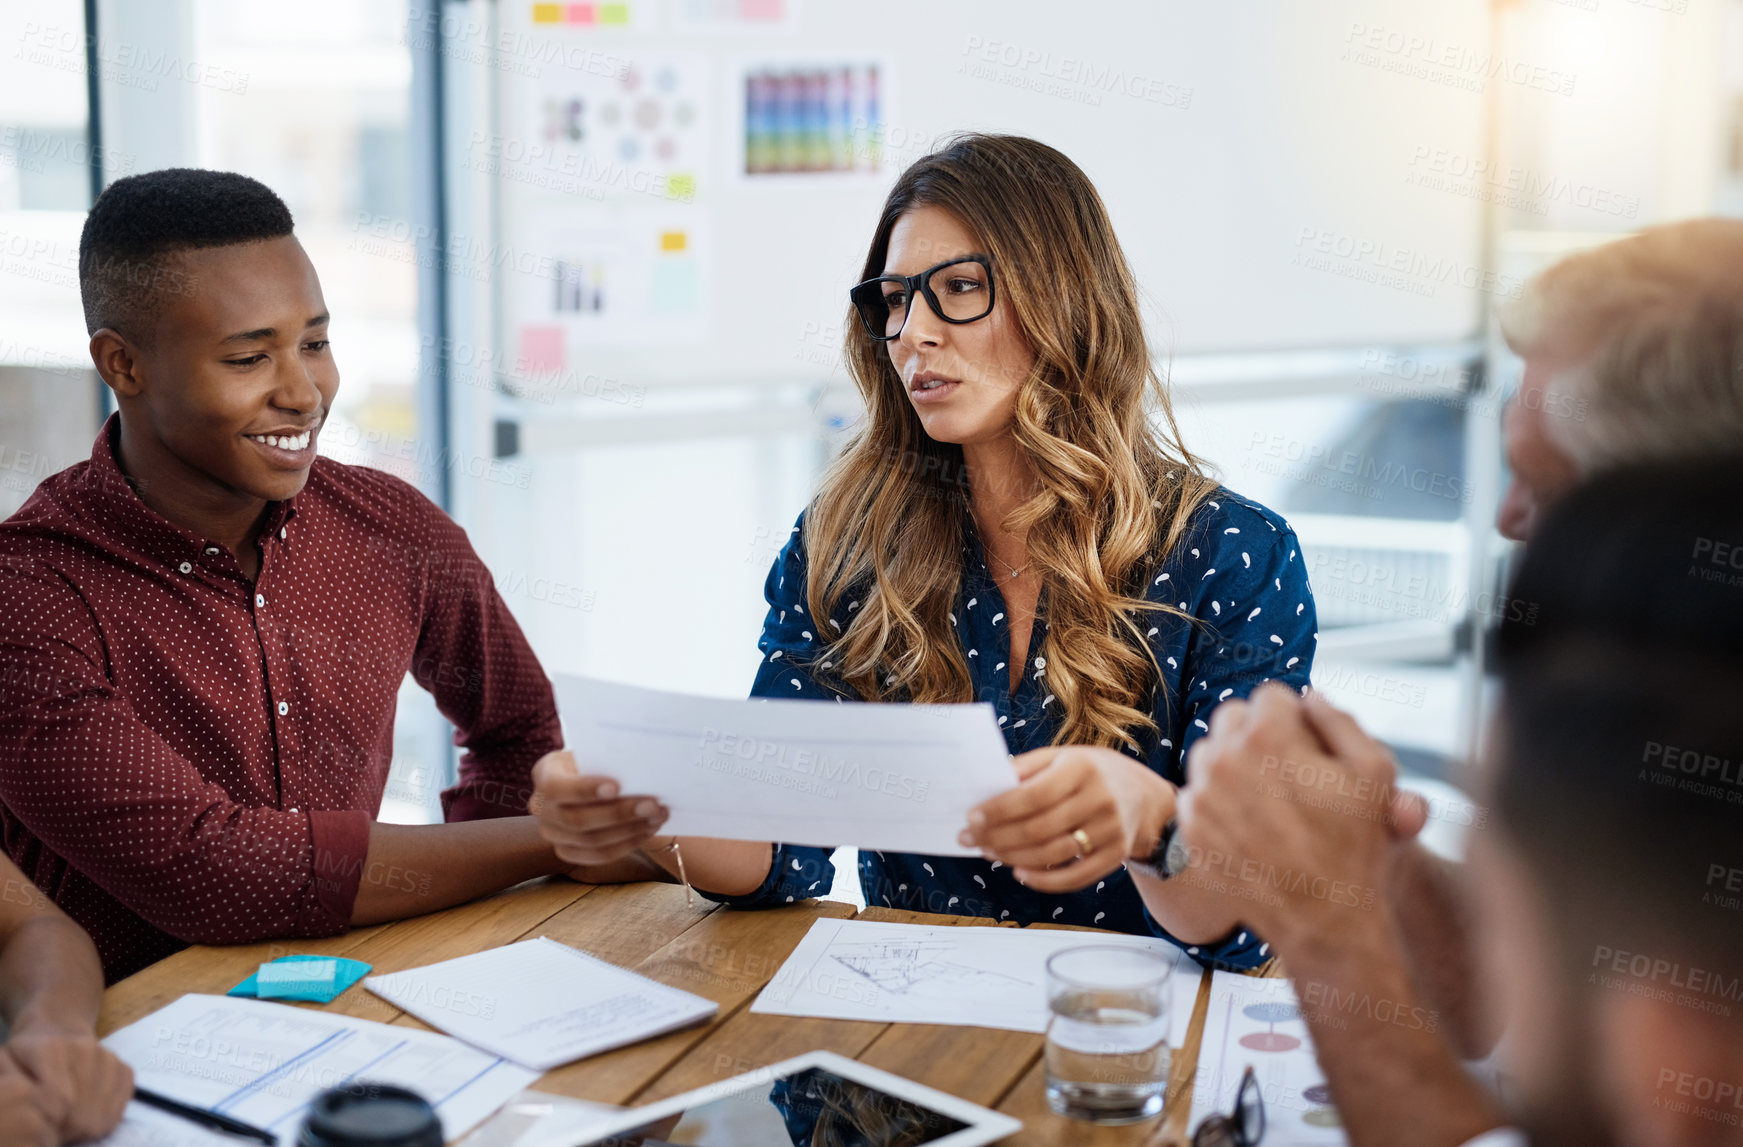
203	1117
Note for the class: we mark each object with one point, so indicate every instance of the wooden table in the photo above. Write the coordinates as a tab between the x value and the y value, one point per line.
723	954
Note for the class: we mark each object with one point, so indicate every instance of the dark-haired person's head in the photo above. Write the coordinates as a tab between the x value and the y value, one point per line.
207	321
1613	883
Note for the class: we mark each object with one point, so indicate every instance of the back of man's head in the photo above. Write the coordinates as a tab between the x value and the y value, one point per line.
1622	687
1618	780
1647	335
127	250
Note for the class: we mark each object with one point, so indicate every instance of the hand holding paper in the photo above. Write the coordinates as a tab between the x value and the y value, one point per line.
899	778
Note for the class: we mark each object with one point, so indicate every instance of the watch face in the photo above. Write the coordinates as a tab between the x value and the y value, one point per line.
1174	852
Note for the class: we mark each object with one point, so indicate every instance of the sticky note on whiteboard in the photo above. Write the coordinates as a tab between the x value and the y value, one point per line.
541	348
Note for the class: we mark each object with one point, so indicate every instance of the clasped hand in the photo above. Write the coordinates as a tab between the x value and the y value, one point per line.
59	1087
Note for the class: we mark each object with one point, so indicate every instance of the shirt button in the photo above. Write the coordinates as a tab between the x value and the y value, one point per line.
259	600
293	810
283	708
281	537
186	567
212	551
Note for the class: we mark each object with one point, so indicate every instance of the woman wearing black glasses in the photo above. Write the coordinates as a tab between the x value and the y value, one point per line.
1016	522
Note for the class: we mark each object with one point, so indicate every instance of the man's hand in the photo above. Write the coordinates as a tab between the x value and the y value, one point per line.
79	1087
583	817
1289	793
25	1122
1118	804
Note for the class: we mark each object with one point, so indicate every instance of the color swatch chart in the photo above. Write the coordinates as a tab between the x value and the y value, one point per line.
812	119
1258	1023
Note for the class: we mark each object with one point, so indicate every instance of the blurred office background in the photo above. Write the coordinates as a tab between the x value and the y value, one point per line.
588	263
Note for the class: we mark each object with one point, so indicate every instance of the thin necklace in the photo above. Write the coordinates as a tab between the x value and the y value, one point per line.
1016	572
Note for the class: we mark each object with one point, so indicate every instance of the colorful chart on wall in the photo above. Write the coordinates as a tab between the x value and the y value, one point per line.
635	127
630	14
627	277
1258	1022
807	118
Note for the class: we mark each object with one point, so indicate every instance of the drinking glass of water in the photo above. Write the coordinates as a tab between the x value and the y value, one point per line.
1107	1038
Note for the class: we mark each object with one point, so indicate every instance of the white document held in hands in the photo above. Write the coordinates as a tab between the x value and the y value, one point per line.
539	1003
899	778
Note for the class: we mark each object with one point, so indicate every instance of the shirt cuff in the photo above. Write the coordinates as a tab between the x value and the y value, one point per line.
341	844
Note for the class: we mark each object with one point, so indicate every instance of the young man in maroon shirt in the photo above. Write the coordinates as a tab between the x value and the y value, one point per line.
203	628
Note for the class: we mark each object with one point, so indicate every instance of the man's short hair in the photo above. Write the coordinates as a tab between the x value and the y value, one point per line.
1620	776
138	225
1652	326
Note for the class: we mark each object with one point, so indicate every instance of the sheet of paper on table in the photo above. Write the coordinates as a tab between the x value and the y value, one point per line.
262	1062
143	1126
1258	1022
963	975
540	1003
900	778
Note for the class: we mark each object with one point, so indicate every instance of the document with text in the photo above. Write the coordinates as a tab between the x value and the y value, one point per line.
899	778
262	1063
540	1003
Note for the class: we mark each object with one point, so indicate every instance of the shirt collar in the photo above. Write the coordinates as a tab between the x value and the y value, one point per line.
108	499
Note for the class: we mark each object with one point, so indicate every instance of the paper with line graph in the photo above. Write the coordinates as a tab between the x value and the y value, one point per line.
900	778
966	975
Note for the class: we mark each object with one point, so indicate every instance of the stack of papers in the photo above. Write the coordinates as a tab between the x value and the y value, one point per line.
963	975
262	1062
540	1003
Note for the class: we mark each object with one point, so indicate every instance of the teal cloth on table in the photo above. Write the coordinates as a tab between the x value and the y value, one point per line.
347	972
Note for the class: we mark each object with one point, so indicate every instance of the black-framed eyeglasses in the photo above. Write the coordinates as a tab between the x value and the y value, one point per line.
1244	1126
958	291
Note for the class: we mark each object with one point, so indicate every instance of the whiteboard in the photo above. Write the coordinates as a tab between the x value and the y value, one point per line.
1282	175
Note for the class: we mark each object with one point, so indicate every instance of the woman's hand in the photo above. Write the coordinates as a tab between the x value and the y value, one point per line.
583	817
1117	804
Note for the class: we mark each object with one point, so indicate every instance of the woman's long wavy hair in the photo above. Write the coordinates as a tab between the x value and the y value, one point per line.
1114	489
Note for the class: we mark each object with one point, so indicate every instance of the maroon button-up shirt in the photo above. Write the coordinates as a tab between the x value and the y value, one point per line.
188	758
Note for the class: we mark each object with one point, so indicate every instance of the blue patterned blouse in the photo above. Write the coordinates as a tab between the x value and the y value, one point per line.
1239	572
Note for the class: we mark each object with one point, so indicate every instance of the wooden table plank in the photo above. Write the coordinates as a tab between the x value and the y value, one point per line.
209	970
419	940
621	923
387	947
746	1041
726	957
625	923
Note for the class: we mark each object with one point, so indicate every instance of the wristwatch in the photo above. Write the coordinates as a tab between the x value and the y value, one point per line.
1169	859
